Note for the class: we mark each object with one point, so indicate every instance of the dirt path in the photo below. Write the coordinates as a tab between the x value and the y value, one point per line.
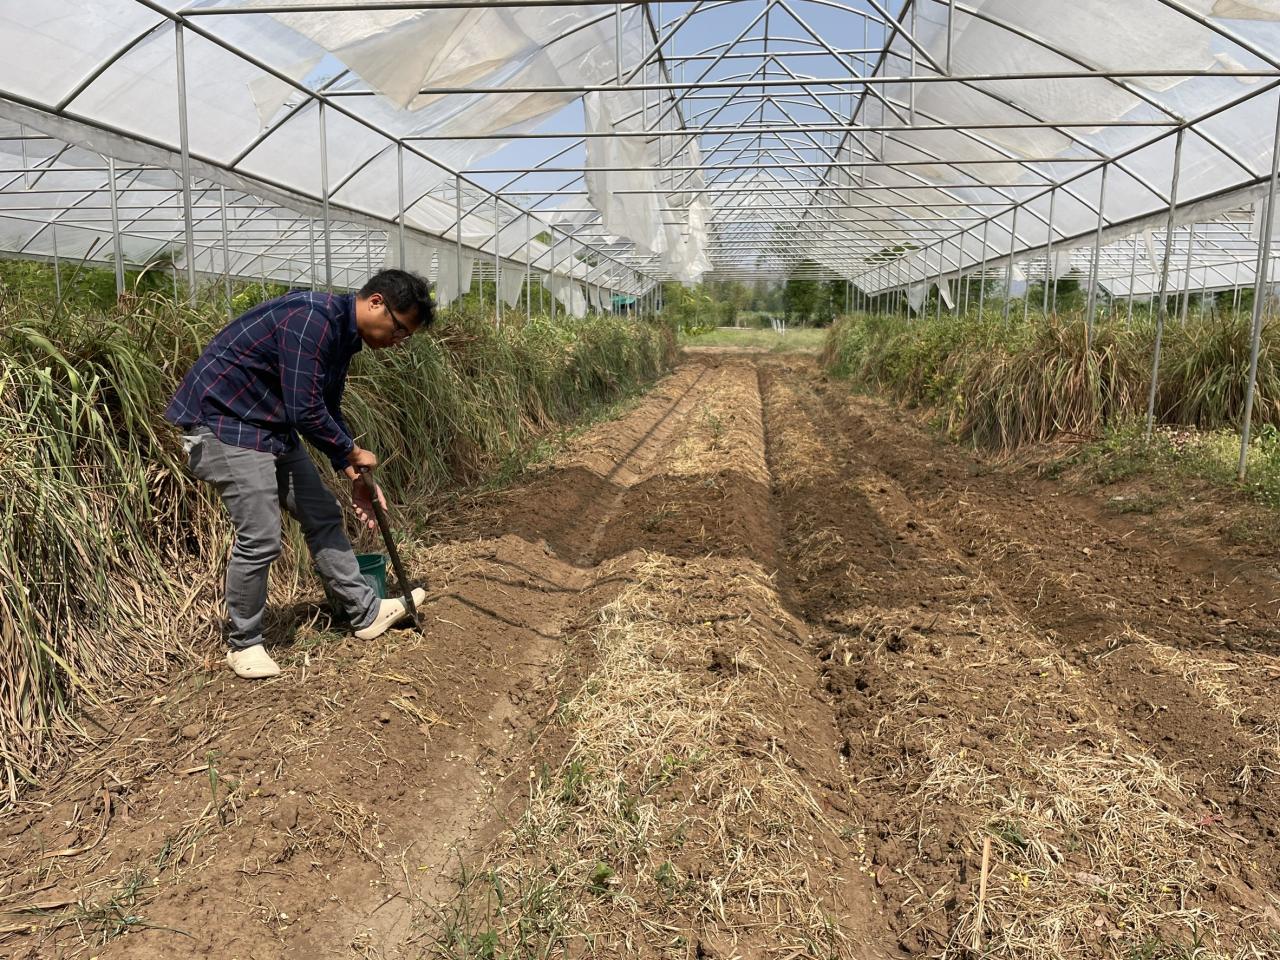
753	671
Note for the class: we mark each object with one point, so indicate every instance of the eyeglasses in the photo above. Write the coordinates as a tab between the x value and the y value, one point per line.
400	332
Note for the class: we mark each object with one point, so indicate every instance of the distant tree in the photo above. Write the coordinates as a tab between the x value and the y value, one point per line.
810	301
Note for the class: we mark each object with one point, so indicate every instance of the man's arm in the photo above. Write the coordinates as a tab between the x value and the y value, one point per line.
303	339
333	401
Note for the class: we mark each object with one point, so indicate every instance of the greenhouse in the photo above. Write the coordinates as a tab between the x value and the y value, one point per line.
701	479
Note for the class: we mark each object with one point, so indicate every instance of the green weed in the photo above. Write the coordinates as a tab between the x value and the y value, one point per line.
1004	383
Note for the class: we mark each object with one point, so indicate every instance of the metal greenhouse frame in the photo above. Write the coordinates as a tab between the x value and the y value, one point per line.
593	148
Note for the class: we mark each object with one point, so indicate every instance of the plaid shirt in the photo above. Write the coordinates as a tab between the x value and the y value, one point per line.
277	371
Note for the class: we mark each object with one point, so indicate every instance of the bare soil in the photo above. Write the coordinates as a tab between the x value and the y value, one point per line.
826	660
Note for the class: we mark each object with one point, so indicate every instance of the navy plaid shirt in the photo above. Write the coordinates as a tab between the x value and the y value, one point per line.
277	371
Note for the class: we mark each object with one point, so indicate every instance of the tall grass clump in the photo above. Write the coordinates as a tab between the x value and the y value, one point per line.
1002	384
110	555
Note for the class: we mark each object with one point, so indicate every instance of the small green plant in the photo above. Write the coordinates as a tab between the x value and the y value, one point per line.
656	519
627	804
573	783
1158	948
221	790
714	423
102	921
665	877
599	880
1010	831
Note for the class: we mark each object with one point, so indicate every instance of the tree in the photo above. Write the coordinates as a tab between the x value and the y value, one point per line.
808	300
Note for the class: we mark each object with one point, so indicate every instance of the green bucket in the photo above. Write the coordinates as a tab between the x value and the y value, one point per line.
373	567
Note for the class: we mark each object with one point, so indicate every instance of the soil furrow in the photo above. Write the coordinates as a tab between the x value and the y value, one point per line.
1120	608
971	710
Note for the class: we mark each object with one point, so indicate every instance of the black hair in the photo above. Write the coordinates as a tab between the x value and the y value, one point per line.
404	292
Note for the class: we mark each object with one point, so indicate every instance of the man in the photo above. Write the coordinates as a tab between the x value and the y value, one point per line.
273	374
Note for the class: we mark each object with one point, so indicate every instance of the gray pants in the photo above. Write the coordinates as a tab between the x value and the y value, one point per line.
254	485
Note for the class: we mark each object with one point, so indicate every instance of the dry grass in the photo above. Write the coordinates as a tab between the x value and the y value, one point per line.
675	821
801	458
725	431
675	816
1242	686
1097	846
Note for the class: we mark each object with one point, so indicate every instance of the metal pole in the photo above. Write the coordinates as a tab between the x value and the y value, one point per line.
1164	282
1093	267
1026	301
528	269
982	275
1260	285
1186	275
185	146
951	25
400	218
457	209
1204	291
57	267
117	248
226	250
617	40
911	91
324	201
938	306
1050	267
311	247
1008	274
1133	270
497	297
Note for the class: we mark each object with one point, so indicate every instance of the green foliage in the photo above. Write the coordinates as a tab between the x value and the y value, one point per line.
77	286
810	301
599	880
691	309
1004	383
1213	455
109	544
795	339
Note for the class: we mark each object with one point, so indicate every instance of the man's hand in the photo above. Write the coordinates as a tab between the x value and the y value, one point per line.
363	490
360	457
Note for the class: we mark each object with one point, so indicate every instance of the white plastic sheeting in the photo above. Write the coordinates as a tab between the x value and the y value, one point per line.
455	274
569	294
102	74
112	64
510	283
1025	38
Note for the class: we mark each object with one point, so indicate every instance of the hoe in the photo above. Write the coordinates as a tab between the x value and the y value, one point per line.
384	525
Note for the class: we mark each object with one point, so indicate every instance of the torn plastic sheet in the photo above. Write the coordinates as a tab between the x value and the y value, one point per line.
636	216
448	284
418	255
511	279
